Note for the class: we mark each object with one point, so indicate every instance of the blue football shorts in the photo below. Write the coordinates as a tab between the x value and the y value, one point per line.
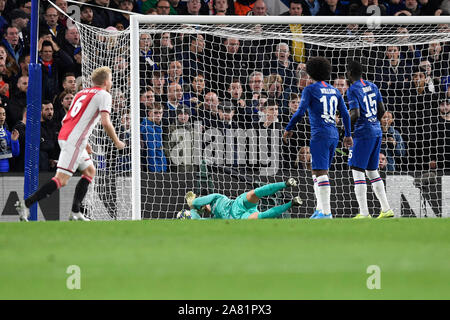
365	153
322	152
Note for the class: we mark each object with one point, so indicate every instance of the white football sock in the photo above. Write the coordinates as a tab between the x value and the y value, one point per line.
316	193
378	188
323	184
359	179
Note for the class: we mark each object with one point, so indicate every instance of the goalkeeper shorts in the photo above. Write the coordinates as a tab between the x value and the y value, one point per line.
242	208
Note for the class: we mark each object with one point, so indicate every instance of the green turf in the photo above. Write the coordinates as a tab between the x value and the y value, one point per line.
264	259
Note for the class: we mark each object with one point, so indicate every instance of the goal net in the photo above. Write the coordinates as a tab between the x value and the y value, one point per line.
203	104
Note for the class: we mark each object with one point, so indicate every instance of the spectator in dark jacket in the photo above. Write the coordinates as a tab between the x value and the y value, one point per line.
439	60
255	90
64	100
123	19
17	164
25	6
102	17
393	78
49	148
194	7
71	41
208	111
86	15
296	8
284	66
50	24
393	147
231	63
332	8
20	19
62	16
9	143
13	43
24	61
147	56
54	62
18	102
311	7
224	7
235	94
193	59
439	149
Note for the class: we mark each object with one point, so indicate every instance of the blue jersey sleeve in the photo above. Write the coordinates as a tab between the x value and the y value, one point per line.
298	115
352	100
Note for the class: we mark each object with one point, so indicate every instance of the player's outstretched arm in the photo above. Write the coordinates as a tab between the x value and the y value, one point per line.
110	131
198	203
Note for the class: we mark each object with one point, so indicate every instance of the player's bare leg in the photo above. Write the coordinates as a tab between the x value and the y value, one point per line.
62	178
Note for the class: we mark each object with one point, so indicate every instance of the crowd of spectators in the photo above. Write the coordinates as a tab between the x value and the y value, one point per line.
225	83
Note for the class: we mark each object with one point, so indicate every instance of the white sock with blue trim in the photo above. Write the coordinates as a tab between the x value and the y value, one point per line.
378	188
323	184
359	180
316	193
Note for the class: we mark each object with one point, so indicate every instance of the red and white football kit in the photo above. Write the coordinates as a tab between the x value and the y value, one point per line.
77	126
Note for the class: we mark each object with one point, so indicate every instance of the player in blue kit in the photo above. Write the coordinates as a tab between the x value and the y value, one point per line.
366	111
321	100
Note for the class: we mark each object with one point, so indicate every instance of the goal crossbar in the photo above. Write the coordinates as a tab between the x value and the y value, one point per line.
386	20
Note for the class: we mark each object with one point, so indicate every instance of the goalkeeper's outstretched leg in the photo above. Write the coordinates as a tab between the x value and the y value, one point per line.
253	196
276	211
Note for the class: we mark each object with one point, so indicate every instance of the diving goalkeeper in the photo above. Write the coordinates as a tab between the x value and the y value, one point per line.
244	206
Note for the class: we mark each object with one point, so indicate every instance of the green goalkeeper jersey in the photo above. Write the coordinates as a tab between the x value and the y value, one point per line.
223	207
220	205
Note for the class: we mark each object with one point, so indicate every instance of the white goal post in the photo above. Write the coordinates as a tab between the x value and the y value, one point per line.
333	33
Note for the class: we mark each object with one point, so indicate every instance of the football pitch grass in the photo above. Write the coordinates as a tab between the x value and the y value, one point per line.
223	260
